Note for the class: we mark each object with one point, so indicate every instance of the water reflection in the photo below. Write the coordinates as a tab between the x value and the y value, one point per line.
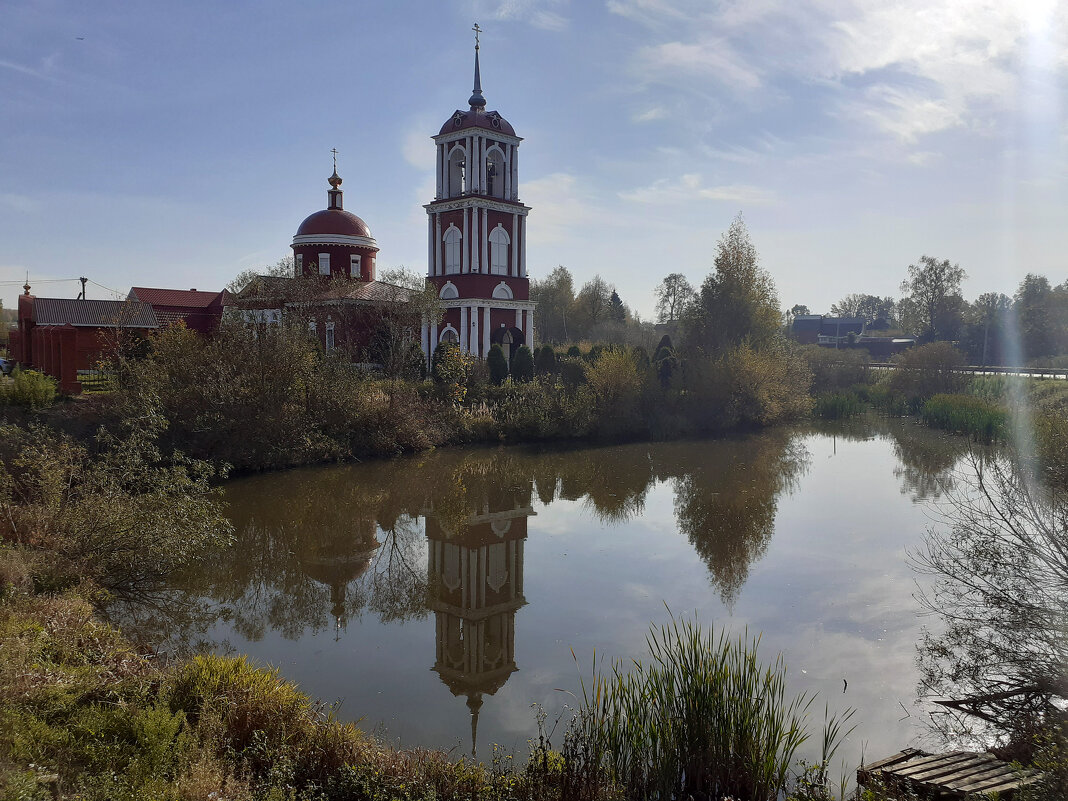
439	540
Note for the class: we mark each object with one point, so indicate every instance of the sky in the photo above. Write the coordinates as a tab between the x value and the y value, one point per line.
177	144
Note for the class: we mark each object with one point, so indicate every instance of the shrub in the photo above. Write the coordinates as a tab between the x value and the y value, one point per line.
523	364
498	365
574	353
928	370
836	369
617	388
572	372
29	389
545	361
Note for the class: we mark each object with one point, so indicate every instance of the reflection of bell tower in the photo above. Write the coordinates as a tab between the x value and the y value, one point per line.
476	587
336	561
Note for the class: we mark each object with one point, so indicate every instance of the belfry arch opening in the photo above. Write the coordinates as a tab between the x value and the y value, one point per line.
495	172
457	172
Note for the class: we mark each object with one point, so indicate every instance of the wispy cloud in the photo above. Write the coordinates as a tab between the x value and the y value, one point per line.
908	68
35	73
561	204
649	115
543	14
690	188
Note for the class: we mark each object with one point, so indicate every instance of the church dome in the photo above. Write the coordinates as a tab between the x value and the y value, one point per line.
333	221
476	118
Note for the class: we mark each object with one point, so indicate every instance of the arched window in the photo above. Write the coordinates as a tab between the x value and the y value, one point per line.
457	172
495	170
449	291
499	241
449	335
452	239
502	291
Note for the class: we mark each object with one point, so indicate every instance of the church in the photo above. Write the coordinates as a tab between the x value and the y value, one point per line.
477	233
476	254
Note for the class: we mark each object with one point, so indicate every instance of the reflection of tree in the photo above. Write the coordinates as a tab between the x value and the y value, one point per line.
726	505
1001	587
317	547
927	459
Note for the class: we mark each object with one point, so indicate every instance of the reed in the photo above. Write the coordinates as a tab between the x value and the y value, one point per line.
966	414
704	718
838	405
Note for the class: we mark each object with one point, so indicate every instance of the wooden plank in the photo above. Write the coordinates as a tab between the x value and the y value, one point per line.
928	759
898	757
938	768
1006	781
963	779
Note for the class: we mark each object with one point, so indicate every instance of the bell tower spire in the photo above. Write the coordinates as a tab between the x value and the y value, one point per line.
477	101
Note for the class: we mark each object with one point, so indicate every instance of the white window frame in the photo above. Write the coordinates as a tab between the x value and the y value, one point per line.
324	264
354	265
453	240
300	265
329	337
499	242
311	326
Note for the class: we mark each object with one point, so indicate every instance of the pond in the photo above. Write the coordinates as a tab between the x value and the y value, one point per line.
438	597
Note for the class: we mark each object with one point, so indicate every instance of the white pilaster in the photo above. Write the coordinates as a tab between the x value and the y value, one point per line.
437	244
523	248
470	173
519	319
472	340
482	165
508	173
529	330
430	244
463	329
466	267
474	241
485	331
485	242
515	173
433	339
515	245
424	339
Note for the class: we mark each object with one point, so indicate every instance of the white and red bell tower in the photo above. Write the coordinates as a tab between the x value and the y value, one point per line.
477	231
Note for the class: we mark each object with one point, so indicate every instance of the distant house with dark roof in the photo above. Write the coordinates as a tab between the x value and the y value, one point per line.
820	329
64	338
197	310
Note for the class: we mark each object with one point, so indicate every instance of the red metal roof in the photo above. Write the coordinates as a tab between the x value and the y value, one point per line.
98	313
189	298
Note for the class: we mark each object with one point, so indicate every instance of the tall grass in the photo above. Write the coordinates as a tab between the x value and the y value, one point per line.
838	405
704	719
966	414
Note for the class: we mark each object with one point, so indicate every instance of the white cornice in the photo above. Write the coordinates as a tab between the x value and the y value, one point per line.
477	202
493	303
335	239
463	133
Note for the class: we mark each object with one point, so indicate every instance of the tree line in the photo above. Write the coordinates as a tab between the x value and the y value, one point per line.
1030	327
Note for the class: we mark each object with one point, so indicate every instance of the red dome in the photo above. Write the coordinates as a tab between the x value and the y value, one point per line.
491	121
334	221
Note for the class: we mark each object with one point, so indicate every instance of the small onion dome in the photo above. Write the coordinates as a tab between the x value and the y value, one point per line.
491	121
334	221
335	179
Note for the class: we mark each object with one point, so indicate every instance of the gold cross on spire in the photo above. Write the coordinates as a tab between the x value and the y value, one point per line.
477	31
334	151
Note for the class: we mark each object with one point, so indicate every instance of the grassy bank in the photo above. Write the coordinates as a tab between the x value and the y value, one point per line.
927	384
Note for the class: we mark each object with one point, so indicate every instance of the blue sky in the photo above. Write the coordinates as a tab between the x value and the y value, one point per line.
177	144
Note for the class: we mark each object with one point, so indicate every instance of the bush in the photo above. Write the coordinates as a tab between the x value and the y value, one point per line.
497	364
928	370
617	388
572	372
574	353
545	361
836	369
523	364
29	389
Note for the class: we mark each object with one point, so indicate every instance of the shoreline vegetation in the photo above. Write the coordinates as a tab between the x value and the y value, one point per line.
106	494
